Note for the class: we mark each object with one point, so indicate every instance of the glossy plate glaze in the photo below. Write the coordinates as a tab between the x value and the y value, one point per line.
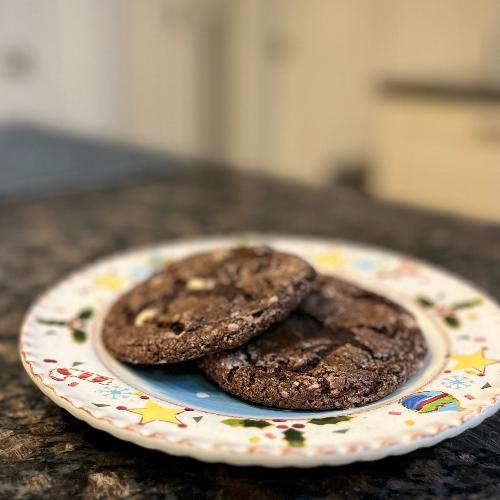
178	411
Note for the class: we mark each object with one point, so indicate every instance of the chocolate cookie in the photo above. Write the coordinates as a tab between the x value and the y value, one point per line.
205	303
344	347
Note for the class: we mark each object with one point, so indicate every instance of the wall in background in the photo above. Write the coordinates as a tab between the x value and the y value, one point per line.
280	85
271	84
309	86
285	86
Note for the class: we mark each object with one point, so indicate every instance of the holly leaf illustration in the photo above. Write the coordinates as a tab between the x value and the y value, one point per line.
425	301
51	322
236	422
85	313
330	420
79	336
452	321
467	303
294	438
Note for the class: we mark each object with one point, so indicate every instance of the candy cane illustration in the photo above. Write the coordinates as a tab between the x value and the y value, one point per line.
63	374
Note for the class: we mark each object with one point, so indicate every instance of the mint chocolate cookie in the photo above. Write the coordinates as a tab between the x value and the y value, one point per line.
204	304
344	347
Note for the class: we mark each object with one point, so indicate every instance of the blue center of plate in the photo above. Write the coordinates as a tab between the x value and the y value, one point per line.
186	387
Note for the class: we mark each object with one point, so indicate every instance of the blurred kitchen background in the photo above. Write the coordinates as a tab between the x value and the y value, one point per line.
398	98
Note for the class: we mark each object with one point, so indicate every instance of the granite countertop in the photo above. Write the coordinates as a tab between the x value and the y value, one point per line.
45	452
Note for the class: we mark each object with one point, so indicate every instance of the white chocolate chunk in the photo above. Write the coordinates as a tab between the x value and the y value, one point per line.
145	315
198	284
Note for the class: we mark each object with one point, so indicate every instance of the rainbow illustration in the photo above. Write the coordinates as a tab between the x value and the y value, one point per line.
429	401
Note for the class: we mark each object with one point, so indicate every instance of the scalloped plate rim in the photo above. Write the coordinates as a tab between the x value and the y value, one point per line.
270	460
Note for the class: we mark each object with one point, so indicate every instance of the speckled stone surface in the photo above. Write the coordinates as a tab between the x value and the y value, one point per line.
46	453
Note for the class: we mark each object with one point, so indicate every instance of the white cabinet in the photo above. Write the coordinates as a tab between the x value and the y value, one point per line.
62	63
29	60
439	153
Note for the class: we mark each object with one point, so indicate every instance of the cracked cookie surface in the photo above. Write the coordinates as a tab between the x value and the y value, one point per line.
204	304
344	347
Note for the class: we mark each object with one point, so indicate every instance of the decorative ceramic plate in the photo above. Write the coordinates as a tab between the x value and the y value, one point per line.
182	413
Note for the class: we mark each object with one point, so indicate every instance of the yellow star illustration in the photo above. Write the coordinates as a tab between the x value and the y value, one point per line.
476	361
111	282
330	259
154	412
